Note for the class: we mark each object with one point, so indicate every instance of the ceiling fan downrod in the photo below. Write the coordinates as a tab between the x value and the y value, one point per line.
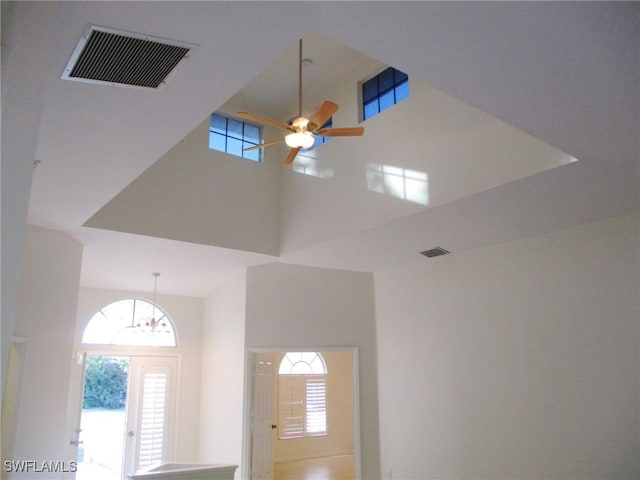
300	79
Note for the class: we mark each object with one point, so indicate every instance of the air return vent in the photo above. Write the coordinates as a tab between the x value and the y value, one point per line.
107	56
435	252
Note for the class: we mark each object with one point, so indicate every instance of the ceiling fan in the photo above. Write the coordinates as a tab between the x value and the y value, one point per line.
302	129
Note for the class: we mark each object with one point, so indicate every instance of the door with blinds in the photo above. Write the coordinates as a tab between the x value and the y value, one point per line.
150	412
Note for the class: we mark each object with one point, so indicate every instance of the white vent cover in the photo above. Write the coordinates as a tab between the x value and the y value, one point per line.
111	57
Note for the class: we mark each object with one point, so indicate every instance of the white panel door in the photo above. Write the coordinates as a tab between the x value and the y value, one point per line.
74	411
150	412
263	423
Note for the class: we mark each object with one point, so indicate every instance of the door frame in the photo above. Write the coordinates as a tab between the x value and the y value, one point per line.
250	354
76	392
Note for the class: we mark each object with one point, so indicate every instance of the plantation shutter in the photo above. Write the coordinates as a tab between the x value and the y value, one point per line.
302	405
316	421
291	406
153	416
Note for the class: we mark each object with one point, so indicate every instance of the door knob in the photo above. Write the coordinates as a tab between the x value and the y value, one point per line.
130	433
273	426
75	442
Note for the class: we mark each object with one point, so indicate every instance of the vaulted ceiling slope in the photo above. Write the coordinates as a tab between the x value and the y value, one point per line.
563	72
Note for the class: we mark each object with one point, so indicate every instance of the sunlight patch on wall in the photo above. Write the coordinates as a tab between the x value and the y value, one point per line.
307	164
409	185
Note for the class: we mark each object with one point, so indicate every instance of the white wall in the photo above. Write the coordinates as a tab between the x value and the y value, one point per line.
19	144
434	134
191	177
186	313
223	358
45	316
339	437
293	307
518	360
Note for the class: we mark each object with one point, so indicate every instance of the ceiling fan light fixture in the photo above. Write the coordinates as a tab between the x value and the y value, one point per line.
300	140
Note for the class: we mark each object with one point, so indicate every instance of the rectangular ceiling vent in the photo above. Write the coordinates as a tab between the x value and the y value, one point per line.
435	252
107	56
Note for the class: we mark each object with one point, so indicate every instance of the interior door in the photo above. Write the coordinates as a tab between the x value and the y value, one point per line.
150	412
263	423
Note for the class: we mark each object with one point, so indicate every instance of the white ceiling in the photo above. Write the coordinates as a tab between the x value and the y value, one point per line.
566	73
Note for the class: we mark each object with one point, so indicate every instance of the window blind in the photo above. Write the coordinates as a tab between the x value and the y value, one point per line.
152	418
302	405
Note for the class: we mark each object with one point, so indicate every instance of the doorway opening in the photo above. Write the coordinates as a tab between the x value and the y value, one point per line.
103	418
301	411
127	415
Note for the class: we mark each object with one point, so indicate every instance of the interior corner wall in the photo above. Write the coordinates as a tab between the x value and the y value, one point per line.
519	360
223	358
291	306
18	145
45	317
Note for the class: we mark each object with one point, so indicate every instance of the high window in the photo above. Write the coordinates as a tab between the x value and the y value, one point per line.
302	395
130	322
383	91
321	140
233	136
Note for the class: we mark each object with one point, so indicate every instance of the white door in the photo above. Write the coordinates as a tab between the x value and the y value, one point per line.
74	411
263	422
150	412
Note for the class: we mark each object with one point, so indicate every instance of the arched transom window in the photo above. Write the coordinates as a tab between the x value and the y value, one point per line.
302	395
130	322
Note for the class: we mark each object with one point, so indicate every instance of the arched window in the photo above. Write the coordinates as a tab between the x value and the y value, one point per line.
302	395
130	322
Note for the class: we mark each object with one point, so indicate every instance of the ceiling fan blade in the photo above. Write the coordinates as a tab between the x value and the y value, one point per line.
264	144
292	155
324	113
340	132
266	121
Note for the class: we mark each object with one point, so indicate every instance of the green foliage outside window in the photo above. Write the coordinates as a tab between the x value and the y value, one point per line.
105	384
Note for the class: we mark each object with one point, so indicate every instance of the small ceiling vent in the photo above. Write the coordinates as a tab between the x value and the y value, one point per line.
435	252
107	56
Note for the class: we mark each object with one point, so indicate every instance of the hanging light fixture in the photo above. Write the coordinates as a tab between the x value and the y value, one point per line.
301	138
152	325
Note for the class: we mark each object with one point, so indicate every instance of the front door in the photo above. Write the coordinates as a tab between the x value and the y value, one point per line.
150	412
120	433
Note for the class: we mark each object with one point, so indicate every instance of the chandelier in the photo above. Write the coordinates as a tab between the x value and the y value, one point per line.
151	325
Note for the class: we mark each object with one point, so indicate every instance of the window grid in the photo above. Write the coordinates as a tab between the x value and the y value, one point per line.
321	140
302	395
383	91
116	324
233	136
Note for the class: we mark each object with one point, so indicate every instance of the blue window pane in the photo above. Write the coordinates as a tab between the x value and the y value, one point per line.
402	91
218	124
321	140
251	154
251	133
234	128
234	146
399	76
385	79
371	108
369	89
232	136
217	142
387	100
